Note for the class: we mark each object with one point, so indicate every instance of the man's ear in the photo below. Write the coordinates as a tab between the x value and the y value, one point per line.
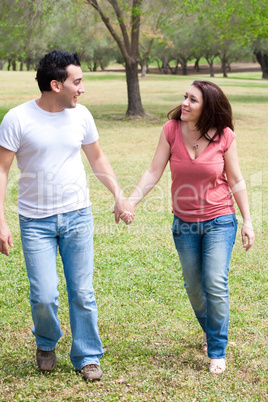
56	86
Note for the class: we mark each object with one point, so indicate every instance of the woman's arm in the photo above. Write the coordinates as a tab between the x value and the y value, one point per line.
153	174
238	187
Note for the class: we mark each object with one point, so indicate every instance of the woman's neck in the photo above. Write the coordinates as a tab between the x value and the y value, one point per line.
190	130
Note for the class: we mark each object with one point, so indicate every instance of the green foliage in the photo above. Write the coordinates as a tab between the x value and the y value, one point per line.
240	19
170	30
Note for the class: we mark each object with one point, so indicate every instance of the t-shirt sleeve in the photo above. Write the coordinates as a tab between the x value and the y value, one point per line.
91	134
229	136
169	129
10	132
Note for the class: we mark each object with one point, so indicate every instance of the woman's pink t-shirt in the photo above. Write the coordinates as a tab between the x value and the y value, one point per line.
199	188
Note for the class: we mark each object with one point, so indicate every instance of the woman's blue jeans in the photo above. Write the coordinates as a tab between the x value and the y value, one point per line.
72	234
204	250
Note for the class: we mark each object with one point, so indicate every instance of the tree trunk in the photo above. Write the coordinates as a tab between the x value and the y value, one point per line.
224	66
211	70
262	59
196	65
144	66
128	43
165	65
135	108
158	65
184	67
143	69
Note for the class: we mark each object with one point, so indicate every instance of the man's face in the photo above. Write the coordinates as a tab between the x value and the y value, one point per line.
72	87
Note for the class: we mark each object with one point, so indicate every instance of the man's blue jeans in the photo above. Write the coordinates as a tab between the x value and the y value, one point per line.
204	250
72	234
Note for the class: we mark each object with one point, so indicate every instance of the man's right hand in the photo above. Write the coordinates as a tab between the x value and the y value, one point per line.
5	239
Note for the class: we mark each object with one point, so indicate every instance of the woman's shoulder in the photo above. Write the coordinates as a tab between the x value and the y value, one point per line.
170	124
228	132
170	129
227	138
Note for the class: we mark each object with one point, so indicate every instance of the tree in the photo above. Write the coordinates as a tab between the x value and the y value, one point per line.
124	20
22	27
155	16
242	21
184	39
261	53
127	38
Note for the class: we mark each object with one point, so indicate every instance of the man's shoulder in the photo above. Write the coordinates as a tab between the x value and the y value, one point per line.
81	112
80	109
22	108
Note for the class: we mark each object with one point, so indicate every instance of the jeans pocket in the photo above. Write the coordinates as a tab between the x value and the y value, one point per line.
84	211
176	227
224	221
24	219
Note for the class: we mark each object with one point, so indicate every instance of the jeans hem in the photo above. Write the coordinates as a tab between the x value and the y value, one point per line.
46	349
216	357
87	363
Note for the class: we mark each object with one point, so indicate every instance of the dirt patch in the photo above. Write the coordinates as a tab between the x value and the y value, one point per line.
203	69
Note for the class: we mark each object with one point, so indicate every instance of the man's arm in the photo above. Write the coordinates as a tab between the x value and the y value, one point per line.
6	159
104	172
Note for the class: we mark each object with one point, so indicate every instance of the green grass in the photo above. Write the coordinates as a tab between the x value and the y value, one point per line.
152	341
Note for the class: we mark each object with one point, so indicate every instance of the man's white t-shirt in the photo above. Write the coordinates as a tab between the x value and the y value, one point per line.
48	152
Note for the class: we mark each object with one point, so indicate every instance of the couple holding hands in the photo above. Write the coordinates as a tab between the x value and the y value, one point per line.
46	136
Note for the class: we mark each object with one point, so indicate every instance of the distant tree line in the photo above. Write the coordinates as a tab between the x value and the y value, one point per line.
135	33
28	29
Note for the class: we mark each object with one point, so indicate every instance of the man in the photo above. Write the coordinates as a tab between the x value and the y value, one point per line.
46	136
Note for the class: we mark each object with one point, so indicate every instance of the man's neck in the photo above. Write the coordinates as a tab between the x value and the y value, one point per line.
47	103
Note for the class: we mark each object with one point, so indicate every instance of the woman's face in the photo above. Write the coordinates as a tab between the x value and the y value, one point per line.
191	107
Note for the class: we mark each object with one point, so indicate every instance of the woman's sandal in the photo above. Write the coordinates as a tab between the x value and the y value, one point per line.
217	368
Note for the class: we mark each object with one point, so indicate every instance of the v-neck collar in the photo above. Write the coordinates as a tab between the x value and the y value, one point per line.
185	148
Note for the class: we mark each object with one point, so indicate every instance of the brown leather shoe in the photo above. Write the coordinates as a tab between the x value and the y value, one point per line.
91	372
46	360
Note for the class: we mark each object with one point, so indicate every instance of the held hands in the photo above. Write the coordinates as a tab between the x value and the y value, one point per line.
124	210
5	239
247	235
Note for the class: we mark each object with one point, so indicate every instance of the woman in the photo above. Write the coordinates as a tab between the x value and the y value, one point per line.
199	143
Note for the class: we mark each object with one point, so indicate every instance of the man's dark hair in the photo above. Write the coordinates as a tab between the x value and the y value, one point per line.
53	67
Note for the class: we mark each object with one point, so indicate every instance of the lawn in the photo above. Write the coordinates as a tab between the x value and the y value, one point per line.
152	341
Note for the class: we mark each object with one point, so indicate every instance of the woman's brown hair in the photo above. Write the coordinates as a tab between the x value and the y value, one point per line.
216	111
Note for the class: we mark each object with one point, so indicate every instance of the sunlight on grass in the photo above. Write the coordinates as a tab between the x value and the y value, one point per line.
152	341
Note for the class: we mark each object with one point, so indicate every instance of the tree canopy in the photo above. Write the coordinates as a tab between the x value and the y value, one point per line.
135	31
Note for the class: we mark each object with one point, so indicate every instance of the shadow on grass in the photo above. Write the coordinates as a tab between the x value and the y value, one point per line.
163	355
125	354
